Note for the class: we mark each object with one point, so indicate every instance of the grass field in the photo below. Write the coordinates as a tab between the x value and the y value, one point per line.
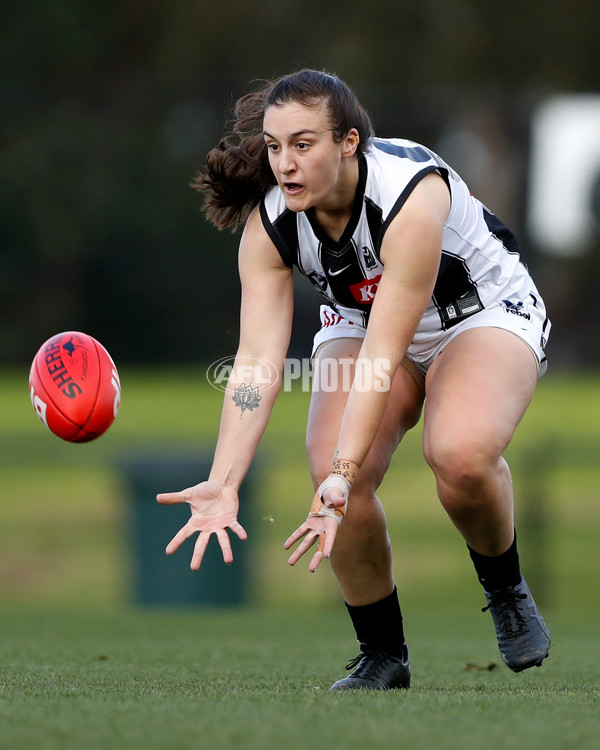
82	667
259	679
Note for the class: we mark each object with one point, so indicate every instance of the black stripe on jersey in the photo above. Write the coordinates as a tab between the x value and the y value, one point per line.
455	294
374	215
414	152
501	232
400	202
284	234
544	336
506	238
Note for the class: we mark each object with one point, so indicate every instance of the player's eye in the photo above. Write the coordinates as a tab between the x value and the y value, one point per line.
302	146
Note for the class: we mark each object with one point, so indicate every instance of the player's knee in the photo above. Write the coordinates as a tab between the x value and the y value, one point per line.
411	415
365	518
461	463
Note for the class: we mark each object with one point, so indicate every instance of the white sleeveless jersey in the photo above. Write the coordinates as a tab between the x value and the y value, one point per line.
480	264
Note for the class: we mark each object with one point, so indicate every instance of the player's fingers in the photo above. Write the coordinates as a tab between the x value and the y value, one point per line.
333	498
335	502
298	534
179	538
326	542
316	560
223	538
171	498
199	550
320	553
238	529
305	545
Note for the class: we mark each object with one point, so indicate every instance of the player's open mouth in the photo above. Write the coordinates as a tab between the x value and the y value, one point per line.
292	188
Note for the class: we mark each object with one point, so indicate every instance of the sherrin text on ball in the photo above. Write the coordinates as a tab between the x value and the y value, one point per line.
74	386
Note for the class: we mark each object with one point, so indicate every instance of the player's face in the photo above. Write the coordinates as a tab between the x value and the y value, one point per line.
305	159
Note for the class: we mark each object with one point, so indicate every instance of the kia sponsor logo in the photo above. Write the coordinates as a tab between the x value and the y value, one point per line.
364	291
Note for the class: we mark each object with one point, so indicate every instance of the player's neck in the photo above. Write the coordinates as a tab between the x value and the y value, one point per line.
335	214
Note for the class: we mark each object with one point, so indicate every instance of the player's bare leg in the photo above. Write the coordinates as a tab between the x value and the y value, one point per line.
477	392
361	557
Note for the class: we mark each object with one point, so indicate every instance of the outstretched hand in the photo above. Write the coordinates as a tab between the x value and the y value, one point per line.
214	510
323	528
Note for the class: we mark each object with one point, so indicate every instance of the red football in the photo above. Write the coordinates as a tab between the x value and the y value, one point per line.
75	387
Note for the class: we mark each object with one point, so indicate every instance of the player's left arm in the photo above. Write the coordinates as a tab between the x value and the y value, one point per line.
411	253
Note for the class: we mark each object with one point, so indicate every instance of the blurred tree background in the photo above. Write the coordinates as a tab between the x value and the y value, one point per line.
108	109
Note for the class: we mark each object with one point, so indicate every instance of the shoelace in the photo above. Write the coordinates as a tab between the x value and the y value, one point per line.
506	603
370	666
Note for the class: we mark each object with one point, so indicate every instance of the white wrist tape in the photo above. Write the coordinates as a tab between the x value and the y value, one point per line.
323	511
335	480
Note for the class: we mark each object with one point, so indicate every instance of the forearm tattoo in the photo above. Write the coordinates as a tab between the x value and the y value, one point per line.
246	397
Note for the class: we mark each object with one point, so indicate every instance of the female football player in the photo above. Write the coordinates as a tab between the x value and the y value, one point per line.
427	299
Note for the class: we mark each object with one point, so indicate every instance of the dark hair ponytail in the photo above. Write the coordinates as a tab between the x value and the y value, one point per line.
237	173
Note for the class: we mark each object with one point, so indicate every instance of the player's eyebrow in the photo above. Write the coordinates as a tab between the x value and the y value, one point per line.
295	134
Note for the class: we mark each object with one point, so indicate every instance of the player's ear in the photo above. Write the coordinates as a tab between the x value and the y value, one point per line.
350	143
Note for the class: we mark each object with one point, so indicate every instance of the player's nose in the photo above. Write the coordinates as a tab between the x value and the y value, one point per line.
287	163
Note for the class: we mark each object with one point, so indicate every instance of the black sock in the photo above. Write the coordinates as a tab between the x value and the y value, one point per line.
379	626
498	572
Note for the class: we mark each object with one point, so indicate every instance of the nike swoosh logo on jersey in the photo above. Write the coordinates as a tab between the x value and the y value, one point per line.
336	273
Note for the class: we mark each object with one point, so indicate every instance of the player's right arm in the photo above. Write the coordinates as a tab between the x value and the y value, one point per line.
265	328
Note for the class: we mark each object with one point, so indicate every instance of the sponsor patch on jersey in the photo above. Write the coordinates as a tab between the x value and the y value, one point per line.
364	291
516	308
